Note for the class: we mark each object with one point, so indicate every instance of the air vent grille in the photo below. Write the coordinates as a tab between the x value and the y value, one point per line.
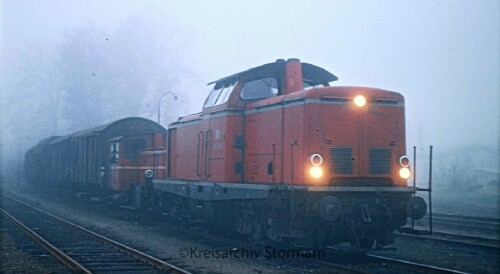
341	160
380	161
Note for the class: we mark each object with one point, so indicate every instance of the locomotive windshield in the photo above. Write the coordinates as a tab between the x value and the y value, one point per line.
219	95
259	89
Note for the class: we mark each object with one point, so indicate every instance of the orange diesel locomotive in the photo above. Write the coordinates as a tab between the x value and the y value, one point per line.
277	153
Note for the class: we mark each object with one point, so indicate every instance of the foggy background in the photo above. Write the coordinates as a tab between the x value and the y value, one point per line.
71	65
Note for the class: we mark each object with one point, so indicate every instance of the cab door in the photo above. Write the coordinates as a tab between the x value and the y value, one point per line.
219	146
263	131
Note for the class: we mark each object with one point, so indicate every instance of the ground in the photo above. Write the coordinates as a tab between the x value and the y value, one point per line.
167	243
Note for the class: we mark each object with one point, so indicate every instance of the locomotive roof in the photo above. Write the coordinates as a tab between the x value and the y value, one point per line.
310	73
146	123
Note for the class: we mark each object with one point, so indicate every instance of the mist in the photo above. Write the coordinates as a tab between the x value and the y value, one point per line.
71	65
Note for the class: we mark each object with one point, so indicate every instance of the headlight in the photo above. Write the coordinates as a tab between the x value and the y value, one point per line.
404	173
316	159
404	161
316	172
360	101
148	173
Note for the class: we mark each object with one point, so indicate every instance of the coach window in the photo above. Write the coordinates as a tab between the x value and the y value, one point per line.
259	89
115	152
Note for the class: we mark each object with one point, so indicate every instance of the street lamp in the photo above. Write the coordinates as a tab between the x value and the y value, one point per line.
159	102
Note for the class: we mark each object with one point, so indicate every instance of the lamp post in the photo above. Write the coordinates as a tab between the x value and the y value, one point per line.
159	102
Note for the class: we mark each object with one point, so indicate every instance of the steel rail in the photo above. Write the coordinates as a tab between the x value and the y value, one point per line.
411	266
487	232
61	256
460	239
118	246
340	269
472	218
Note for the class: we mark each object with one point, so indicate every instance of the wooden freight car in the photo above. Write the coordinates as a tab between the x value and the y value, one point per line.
108	160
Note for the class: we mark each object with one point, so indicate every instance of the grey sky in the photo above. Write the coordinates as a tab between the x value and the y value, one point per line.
443	56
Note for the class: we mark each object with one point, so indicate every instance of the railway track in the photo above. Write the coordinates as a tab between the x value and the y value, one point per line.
80	249
468	230
378	264
408	267
333	262
481	242
348	264
465	225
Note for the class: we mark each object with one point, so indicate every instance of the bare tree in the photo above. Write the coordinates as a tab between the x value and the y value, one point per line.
108	76
459	174
34	89
153	56
30	103
85	78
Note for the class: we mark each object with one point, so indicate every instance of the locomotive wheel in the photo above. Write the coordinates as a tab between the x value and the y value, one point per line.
243	226
257	233
253	229
363	238
330	209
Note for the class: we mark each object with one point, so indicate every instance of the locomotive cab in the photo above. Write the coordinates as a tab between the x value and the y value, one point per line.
226	134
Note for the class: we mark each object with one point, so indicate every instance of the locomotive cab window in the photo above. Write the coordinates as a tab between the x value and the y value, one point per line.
259	89
308	84
219	94
133	147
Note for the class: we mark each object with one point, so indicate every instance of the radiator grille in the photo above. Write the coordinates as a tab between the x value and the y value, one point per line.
341	160
380	161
